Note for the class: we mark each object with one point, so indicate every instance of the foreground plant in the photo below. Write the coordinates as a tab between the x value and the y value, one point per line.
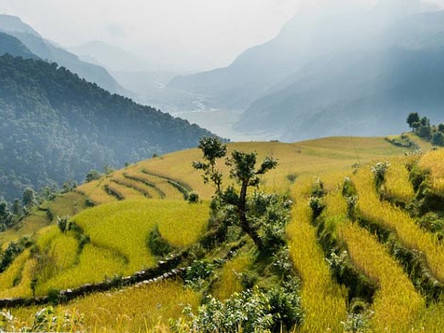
243	171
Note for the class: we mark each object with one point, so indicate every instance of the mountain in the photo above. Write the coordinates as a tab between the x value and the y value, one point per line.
385	76
57	126
111	57
334	72
12	46
47	50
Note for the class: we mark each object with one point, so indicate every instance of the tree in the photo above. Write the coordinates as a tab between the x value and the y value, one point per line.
424	131
438	139
441	128
17	208
412	118
212	149
6	218
243	171
29	197
92	175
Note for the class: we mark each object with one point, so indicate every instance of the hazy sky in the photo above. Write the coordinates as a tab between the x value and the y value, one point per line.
193	34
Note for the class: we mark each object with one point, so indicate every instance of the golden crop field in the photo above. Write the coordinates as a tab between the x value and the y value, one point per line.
136	309
118	229
397	183
309	261
396	303
399	221
433	161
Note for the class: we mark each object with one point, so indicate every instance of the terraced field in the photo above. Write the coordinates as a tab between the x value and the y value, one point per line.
132	202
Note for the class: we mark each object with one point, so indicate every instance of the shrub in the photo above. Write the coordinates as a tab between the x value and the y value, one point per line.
197	274
379	170
193	197
92	175
253	310
54	296
317	205
292	177
63	223
432	222
438	139
157	244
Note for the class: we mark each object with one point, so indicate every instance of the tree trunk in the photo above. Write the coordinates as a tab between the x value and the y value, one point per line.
242	212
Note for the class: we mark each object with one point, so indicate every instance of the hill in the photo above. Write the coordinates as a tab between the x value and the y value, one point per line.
337	72
12	46
56	126
380	284
48	51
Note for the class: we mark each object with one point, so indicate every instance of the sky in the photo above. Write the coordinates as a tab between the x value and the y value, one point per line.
183	35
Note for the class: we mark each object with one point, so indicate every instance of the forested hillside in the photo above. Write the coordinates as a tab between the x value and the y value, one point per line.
56	126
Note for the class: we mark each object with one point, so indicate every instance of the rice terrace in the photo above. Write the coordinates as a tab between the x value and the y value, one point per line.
222	166
362	244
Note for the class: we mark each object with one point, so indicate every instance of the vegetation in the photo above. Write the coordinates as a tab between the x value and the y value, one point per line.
350	244
57	126
422	128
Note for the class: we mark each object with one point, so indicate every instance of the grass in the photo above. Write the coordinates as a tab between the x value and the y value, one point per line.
67	204
124	226
302	158
16	280
137	309
118	233
94	190
393	218
323	301
433	161
95	264
397	184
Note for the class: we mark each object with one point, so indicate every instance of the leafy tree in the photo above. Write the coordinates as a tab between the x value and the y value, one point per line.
243	171
412	119
29	197
441	128
212	149
6	217
17	208
438	139
92	175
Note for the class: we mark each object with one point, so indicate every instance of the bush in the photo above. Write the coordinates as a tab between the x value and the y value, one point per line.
92	175
438	139
292	177
379	170
158	246
253	310
432	222
193	197
317	205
